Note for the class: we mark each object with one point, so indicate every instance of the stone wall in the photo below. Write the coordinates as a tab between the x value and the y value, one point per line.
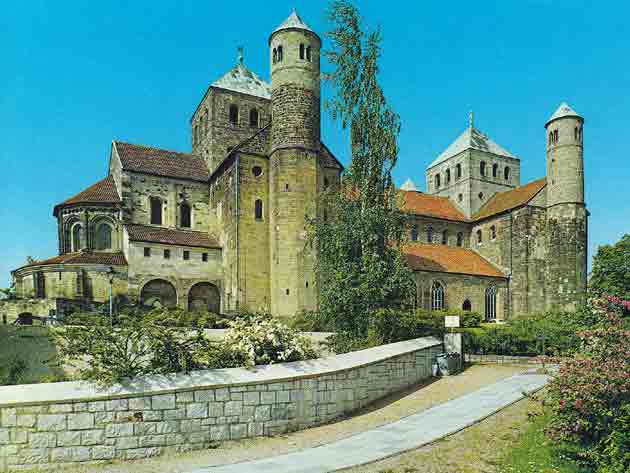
48	426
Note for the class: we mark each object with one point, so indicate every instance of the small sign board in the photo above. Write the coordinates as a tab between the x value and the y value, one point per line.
451	321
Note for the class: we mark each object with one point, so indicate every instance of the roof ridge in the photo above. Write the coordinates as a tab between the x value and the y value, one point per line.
156	148
479	215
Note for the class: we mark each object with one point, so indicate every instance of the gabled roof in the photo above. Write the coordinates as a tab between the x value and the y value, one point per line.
448	259
243	80
328	159
161	162
169	236
471	139
294	21
564	110
111	259
428	205
103	192
508	200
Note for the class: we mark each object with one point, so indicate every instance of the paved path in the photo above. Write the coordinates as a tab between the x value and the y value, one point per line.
397	437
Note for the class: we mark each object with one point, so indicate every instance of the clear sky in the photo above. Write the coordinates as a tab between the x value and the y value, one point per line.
74	75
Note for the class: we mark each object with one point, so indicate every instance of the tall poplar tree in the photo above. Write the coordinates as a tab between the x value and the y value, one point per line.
360	267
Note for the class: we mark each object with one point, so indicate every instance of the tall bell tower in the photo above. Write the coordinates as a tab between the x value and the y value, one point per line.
294	50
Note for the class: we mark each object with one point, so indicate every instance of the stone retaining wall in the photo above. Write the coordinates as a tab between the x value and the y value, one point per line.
46	426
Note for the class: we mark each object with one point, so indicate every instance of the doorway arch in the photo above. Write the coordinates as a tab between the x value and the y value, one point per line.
158	293
467	305
204	296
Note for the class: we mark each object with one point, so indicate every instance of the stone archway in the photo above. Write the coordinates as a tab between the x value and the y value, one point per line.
158	293
204	296
466	305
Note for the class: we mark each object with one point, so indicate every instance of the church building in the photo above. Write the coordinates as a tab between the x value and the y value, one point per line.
224	226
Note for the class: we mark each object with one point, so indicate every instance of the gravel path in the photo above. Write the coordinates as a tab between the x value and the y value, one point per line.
406	403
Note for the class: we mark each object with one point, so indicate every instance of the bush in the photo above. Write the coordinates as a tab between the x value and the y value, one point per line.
590	396
310	321
12	370
258	339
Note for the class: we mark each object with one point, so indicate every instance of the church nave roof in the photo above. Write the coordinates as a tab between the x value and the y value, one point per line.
508	200
419	203
448	259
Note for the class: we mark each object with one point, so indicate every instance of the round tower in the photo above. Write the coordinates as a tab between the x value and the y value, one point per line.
294	51
565	163
566	222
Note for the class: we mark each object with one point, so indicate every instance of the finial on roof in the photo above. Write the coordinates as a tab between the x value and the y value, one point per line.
240	54
408	186
471	119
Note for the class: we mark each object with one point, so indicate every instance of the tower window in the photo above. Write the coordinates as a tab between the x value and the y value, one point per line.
480	196
205	120
550	138
167	254
479	236
575	132
448	176
555	136
414	233
308	53
460	197
257	171
460	239
326	183
275	55
430	235
233	114
301	51
147	252
482	168
286	187
437	181
258	209
493	232
280	53
186	255
506	173
287	292
495	170
253	118
156	211
458	171
445	237
204	257
185	215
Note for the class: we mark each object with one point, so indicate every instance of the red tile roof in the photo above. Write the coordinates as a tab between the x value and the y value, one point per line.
111	259
508	200
418	203
103	192
161	162
448	259
168	236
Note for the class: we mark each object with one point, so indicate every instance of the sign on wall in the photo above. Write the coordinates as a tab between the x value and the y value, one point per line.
451	321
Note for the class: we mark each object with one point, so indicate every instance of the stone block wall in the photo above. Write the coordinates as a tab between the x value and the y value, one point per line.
59	424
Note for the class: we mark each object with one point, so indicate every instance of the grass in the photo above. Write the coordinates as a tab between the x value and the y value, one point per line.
36	348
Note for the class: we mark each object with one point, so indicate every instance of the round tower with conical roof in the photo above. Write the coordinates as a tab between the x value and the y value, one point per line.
566	272
294	51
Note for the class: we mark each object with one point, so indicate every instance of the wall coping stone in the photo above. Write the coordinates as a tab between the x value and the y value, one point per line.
75	391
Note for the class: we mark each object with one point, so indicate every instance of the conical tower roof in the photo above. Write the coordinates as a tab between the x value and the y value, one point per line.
293	22
564	110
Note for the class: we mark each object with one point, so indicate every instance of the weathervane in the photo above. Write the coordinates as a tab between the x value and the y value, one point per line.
240	54
471	119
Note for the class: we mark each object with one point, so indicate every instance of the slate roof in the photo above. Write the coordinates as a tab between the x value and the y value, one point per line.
564	110
169	236
111	259
448	259
508	200
418	203
471	139
161	162
242	79
103	192
294	21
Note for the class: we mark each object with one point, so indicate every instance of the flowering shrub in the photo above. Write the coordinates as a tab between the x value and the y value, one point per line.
590	396
259	339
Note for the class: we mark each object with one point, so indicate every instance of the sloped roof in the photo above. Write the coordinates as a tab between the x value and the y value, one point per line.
508	200
294	21
169	236
161	162
564	110
103	192
448	259
242	79
428	205
111	259
328	159
471	139
408	186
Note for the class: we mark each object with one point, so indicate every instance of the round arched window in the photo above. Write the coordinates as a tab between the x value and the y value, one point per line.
257	171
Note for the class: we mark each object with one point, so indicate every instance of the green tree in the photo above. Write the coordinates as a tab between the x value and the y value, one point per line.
360	267
611	269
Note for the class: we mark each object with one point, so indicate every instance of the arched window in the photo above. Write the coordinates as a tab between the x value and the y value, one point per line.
480	195
185	220
414	233
479	236
77	237
482	168
430	235
280	53
103	237
258	209
445	237
233	114
326	183
205	120
301	51
550	138
491	303
495	170
458	171
467	306
156	211
275	55
580	135
437	181
493	232
555	136
506	173
460	197
448	176
253	118
437	296
308	53
460	239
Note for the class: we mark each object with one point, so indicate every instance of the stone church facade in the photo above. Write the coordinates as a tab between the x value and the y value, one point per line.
224	227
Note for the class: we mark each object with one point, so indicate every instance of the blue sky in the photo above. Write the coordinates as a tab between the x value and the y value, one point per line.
75	75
